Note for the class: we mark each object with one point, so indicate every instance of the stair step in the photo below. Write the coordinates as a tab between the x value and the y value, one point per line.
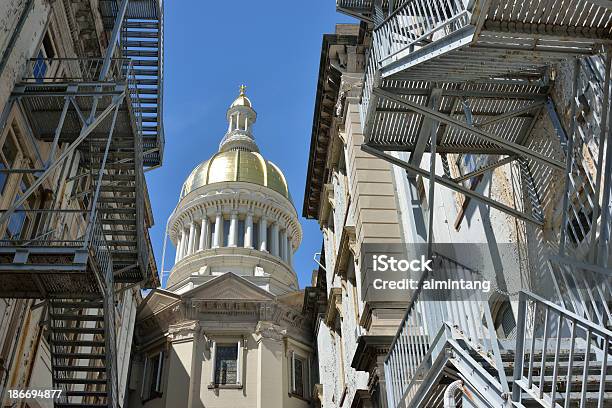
77	343
81	356
120	200
78	330
118	222
117	233
85	369
78	318
128	189
85	304
121	242
101	394
79	381
118	177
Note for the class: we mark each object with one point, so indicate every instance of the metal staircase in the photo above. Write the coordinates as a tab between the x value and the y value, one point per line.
78	349
84	211
473	78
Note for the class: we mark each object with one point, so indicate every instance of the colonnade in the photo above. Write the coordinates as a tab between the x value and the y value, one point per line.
234	230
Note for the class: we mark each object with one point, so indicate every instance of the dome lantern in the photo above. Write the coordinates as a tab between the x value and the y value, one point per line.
240	117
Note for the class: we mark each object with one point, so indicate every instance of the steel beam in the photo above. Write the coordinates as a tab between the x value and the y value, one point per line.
433	129
511	114
452	185
513	147
485	169
428	124
604	229
569	153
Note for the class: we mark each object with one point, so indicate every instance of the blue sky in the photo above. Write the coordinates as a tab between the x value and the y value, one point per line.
210	49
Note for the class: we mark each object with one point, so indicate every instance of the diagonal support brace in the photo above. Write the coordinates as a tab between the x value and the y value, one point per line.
452	185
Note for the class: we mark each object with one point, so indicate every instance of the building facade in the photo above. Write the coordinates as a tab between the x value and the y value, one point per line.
80	121
352	195
458	134
228	329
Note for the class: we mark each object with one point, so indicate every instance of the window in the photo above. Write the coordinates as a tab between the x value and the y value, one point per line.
226	364
226	230
299	375
269	239
504	320
255	235
46	51
241	228
8	157
580	211
12	186
153	370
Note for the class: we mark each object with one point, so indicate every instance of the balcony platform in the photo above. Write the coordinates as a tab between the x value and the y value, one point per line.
467	41
39	273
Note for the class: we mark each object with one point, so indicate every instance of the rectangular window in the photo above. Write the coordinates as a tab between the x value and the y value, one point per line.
269	239
226	230
211	234
256	235
8	157
152	381
299	375
241	229
226	364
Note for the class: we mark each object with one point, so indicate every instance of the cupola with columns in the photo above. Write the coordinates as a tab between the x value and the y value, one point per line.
235	214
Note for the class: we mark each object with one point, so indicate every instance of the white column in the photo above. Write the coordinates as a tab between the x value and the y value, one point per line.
185	242
248	231
232	239
274	243
263	234
192	236
246	123
283	245
218	235
204	227
179	241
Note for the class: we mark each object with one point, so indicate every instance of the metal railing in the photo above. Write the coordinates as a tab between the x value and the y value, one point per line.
46	228
561	359
417	342
415	24
583	289
67	70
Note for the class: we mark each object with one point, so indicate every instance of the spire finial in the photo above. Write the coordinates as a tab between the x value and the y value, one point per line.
242	89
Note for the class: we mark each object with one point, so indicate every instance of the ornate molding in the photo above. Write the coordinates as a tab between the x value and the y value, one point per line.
270	330
184	331
334	306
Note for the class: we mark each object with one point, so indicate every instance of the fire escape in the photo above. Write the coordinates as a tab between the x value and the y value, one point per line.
98	122
472	77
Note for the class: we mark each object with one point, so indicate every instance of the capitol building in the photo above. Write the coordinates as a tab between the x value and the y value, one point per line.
228	329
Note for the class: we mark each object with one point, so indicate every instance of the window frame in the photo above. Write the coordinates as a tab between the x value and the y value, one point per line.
240	345
305	361
152	382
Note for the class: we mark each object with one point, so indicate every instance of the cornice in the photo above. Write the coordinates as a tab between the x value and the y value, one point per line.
334	306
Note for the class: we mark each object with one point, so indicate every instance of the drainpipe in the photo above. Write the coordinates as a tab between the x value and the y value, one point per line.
449	393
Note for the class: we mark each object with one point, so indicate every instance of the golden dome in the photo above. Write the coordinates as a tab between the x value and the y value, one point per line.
237	165
242	99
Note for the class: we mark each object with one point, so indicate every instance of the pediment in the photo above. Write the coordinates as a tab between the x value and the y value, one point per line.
229	287
156	301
